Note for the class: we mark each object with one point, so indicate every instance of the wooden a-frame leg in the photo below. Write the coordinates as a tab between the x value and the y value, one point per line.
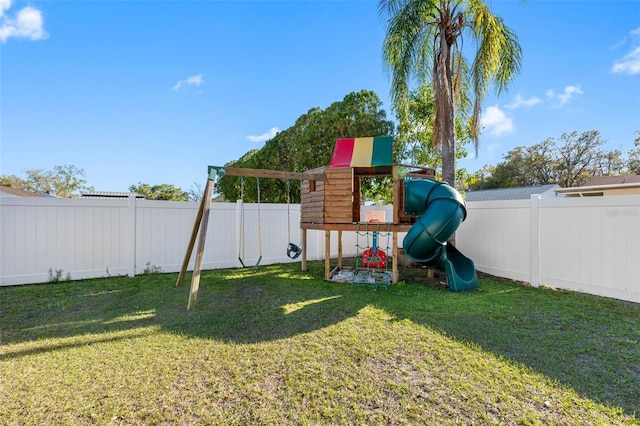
192	240
195	279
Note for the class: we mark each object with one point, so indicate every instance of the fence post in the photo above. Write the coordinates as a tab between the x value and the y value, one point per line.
132	234
534	265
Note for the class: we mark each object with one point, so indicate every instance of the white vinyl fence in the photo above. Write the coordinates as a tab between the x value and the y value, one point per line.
88	238
587	244
584	244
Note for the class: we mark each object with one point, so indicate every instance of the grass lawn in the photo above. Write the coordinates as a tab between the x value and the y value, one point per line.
275	346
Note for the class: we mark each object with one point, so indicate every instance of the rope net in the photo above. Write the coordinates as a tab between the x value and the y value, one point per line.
372	250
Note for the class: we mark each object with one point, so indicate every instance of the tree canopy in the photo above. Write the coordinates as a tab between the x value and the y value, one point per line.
66	181
306	145
569	161
163	191
416	128
634	155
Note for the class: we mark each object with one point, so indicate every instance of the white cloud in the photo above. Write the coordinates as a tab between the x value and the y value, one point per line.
569	92
265	136
4	5
194	80
566	96
519	101
496	122
27	23
629	63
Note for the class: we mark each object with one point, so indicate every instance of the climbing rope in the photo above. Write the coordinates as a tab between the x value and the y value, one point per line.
371	266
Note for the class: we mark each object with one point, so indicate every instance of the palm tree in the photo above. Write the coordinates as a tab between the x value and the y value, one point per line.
424	41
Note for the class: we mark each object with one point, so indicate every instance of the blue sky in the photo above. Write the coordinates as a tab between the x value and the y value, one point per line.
155	91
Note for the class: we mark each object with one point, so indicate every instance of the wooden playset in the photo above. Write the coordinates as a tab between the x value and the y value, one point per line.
331	201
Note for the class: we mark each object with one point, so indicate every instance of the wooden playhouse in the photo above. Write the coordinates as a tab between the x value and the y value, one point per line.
333	203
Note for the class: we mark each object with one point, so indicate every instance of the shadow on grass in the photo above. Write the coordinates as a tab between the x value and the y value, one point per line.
236	305
588	343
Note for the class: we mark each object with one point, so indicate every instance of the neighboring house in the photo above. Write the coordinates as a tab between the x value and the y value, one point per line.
605	185
519	193
7	191
112	195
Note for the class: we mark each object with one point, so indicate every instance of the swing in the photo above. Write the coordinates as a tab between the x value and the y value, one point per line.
293	251
242	223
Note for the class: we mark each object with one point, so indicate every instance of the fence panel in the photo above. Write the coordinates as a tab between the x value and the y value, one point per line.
42	235
592	245
584	244
88	238
496	235
163	229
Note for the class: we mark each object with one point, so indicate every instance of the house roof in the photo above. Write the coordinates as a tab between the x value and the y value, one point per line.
611	185
7	191
107	194
613	180
519	193
598	190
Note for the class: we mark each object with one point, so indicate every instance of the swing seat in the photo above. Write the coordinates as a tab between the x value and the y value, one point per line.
293	251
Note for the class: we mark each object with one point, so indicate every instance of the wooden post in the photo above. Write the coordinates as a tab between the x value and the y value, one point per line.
327	254
192	240
339	249
195	279
397	201
394	261
304	250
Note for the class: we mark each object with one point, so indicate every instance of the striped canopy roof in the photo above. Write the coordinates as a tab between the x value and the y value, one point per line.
362	152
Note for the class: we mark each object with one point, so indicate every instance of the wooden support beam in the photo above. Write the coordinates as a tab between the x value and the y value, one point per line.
195	279
319	226
417	171
397	199
192	240
394	261
304	250
327	254
339	249
275	174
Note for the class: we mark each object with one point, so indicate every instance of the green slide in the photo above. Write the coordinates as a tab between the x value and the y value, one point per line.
442	209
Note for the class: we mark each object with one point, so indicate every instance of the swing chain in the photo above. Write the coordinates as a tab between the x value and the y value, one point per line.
288	213
259	224
240	232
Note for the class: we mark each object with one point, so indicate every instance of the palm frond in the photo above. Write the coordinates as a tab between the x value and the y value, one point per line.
424	41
